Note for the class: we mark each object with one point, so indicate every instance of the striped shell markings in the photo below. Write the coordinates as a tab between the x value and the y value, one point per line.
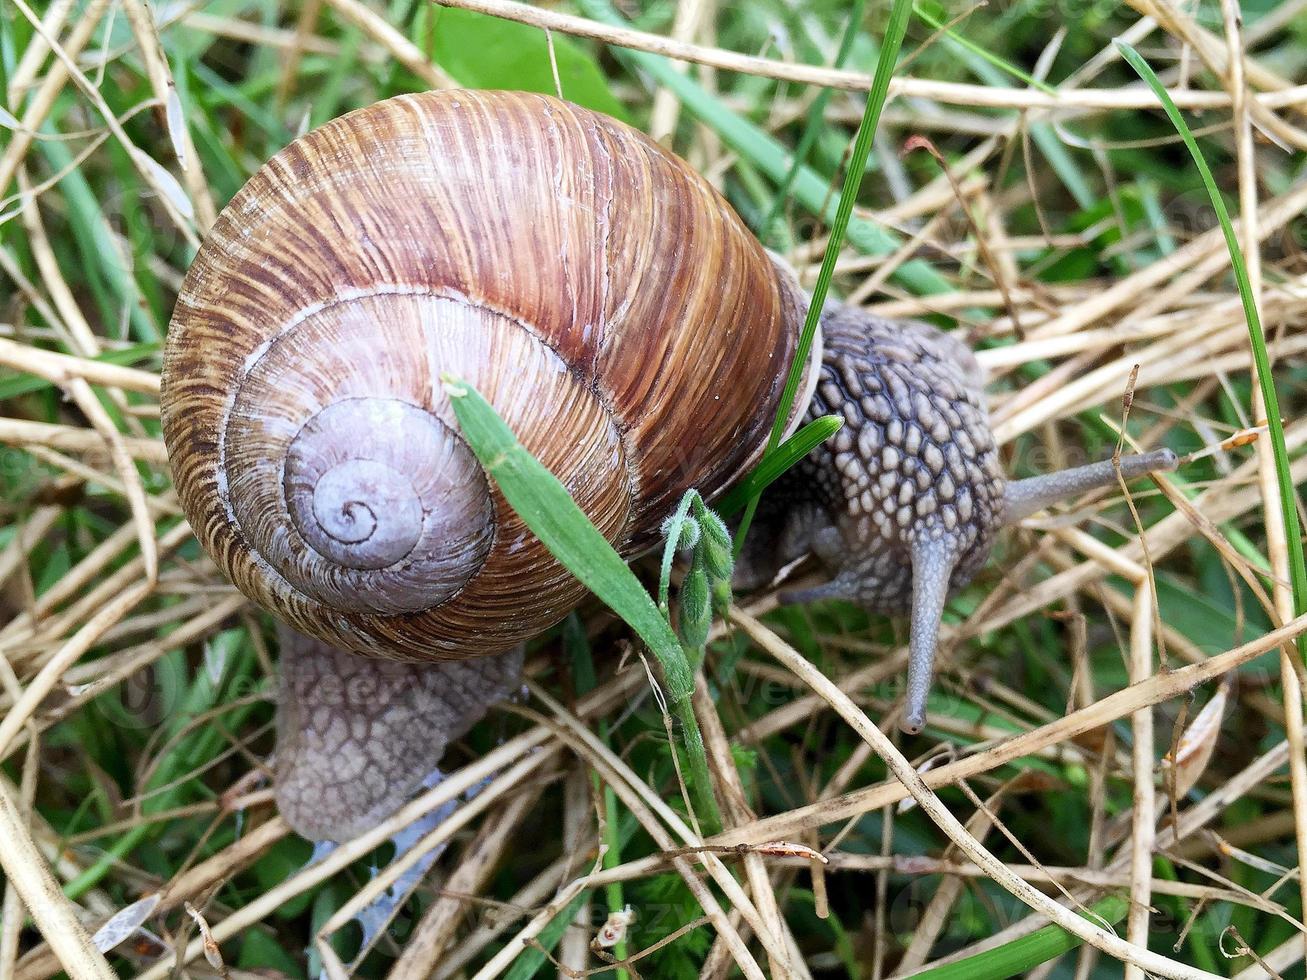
593	287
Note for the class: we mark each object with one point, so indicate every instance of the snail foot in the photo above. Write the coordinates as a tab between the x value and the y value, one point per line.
357	737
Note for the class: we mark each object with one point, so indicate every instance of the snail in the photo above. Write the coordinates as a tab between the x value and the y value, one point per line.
618	314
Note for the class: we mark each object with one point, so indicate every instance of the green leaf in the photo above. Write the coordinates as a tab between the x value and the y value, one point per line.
889	52
259	951
550	512
485	52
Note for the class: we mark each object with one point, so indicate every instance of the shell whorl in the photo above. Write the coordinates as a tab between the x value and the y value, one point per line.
596	290
394	525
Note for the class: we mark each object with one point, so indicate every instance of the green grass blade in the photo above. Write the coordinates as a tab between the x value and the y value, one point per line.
816	120
99	251
1018	957
1000	63
773	467
765	152
548	509
857	168
889	53
554	517
1256	338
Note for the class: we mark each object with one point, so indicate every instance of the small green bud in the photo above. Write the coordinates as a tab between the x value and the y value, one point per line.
690	532
718	549
694	614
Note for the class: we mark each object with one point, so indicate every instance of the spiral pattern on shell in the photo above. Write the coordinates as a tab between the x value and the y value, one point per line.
596	290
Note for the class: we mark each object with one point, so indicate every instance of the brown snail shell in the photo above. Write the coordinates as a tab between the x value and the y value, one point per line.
594	288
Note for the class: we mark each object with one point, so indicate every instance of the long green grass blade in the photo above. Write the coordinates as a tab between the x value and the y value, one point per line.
889	54
1018	957
1256	338
1000	63
816	122
548	509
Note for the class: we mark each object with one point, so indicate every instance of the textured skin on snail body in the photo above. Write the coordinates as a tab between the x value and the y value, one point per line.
914	466
356	736
903	504
598	292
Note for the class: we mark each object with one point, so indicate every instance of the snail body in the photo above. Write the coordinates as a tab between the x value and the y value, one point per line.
618	315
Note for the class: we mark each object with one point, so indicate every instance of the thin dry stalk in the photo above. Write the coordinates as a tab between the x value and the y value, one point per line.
20	432
1132	97
666	106
503	784
22	628
936	914
1277	545
457	784
1040	874
425	948
62	659
731	792
53	914
533	928
304	24
658	818
100	420
1110	708
501	916
141	18
12	924
375	26
179	210
1141	722
903	771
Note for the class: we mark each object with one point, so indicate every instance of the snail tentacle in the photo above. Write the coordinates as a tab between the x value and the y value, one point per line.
933	560
1029	496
